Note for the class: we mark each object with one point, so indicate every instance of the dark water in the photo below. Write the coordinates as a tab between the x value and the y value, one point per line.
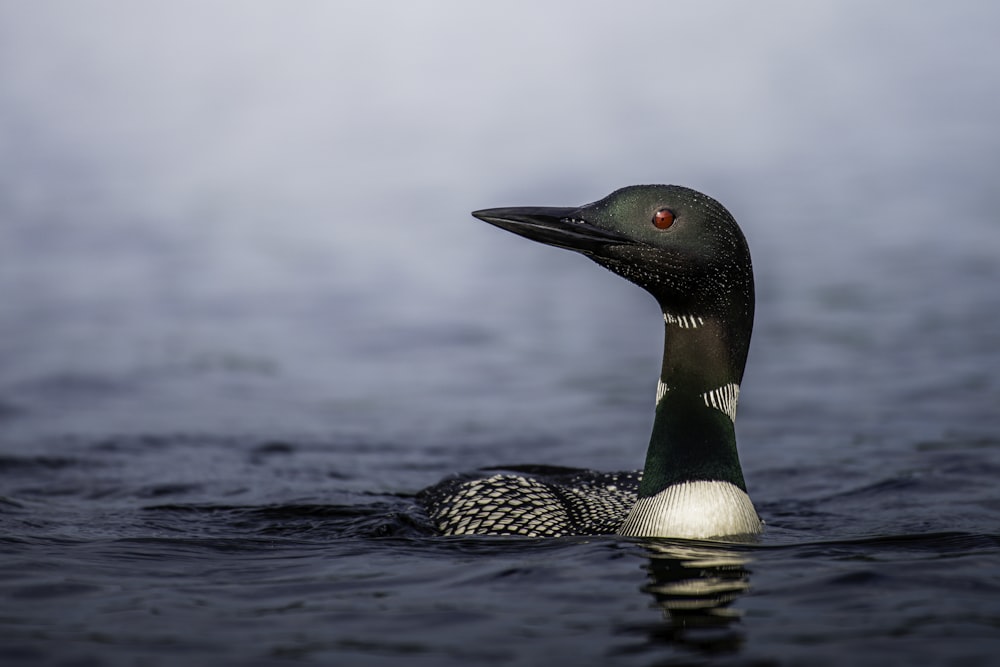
245	317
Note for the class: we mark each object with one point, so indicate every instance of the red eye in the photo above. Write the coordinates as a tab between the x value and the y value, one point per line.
663	218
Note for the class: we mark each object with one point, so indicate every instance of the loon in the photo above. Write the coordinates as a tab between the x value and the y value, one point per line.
687	251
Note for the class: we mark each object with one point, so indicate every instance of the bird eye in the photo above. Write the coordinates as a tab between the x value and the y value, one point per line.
663	218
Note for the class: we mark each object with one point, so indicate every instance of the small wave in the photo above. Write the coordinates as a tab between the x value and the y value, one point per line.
10	463
313	521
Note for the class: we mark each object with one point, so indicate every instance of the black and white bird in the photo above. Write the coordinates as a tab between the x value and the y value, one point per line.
685	249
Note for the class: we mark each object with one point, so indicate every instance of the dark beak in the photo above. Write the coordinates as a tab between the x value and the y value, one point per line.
560	227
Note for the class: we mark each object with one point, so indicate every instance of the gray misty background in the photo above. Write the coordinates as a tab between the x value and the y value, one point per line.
252	217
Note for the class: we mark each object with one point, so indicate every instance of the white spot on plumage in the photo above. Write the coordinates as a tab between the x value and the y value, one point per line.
661	390
684	321
724	398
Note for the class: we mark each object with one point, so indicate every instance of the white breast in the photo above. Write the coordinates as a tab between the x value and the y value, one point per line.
694	510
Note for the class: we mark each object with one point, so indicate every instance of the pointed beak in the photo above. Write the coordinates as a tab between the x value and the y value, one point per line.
560	227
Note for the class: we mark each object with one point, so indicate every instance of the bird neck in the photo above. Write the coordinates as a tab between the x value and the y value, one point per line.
694	436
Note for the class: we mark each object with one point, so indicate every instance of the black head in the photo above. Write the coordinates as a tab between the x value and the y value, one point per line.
680	245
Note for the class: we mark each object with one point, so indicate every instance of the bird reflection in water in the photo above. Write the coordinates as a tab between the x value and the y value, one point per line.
695	586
